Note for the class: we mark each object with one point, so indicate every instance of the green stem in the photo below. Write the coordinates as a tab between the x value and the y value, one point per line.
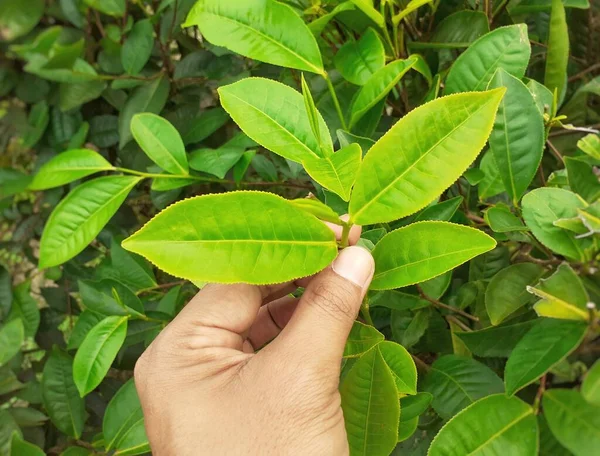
499	8
168	176
345	234
336	102
365	312
386	34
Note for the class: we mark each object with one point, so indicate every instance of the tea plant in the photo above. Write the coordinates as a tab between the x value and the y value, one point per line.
459	135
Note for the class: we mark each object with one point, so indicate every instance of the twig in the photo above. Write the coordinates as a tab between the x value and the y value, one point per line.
441	305
420	363
161	286
540	393
573	131
581	74
99	24
556	152
458	323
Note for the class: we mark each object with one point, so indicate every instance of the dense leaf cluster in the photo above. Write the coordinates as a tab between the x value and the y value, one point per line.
460	134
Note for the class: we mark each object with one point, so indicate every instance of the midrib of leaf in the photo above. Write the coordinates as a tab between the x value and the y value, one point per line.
572	241
103	206
453	380
366	428
164	151
285	130
508	156
127	433
68	402
425	154
235	241
120	429
406	265
141	445
268	38
573	414
551	298
502	431
99	348
548	349
85	168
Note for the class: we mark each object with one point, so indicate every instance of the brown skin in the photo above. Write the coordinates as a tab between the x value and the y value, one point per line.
206	391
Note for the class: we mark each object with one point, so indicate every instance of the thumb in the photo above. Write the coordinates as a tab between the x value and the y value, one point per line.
325	314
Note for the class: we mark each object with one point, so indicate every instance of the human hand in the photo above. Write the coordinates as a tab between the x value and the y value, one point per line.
204	390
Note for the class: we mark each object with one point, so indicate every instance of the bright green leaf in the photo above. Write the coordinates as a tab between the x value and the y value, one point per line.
371	407
161	142
590	388
366	6
264	30
336	172
12	335
562	295
215	161
582	179
97	352
361	339
557	57
123	424
501	220
424	153
68	167
402	366
413	406
17	18
138	47
590	144
425	250
377	87
114	8
246	235
79	217
411	7
518	137
506	47
358	60
274	115
544	99
318	209
574	422
495	341
20	447
490	426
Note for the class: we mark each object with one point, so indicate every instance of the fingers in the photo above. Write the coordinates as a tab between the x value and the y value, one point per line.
271	319
354	234
319	327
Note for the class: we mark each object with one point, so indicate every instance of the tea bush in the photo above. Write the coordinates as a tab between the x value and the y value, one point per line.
461	135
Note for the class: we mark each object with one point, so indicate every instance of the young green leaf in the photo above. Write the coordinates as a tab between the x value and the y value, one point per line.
412	406
582	179
489	426
424	153
402	366
371	407
590	388
137	48
457	381
311	110
544	99
60	396
501	220
574	422
507	291
411	7
518	137
590	145
161	142
506	47
544	346
407	428
377	87
215	161
557	57
544	206
123	424
267	31
361	339
495	341
241	167
318	209
12	336
70	229
85	322
366	6
128	269
148	98
358	60
562	295
97	352
274	115
247	235
442	212
18	18
318	25
424	250
68	167
336	172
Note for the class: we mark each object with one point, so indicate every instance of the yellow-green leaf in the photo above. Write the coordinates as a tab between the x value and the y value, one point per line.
557	57
242	237
422	155
424	250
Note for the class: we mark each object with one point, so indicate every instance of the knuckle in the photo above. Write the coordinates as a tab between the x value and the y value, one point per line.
333	298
